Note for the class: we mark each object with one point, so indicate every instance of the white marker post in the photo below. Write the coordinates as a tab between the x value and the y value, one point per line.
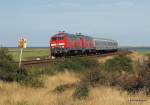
20	57
21	44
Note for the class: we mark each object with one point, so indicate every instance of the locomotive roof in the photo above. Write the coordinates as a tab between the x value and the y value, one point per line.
67	34
77	35
104	39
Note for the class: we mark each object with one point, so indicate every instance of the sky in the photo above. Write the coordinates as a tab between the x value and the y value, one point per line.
127	21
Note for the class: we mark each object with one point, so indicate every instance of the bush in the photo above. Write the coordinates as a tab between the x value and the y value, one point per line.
144	72
148	56
81	91
111	78
76	64
9	71
112	69
130	82
4	55
62	88
7	67
120	72
28	78
90	79
119	64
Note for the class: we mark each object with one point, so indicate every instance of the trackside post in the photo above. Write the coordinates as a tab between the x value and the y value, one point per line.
21	44
20	57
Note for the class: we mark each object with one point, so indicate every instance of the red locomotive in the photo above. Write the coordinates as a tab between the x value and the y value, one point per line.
65	44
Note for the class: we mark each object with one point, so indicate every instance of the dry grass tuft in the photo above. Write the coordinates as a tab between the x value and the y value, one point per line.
104	59
135	56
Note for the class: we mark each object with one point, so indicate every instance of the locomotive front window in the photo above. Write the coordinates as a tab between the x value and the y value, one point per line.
60	38
57	38
54	38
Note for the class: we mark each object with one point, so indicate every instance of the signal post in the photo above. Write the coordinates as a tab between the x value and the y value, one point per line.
22	43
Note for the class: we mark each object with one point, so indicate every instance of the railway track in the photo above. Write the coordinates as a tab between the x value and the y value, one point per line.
45	62
39	63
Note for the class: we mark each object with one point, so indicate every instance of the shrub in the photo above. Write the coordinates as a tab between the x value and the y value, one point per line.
148	56
7	67
111	78
119	64
112	69
9	71
81	91
62	88
144	72
138	81
90	79
28	78
76	64
4	55
130	82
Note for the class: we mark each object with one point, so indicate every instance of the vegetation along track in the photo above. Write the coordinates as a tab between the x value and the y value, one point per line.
45	62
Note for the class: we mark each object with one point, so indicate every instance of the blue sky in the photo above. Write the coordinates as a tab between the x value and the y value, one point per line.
127	21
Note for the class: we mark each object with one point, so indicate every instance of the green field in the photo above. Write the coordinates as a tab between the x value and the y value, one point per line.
29	53
141	50
33	53
144	52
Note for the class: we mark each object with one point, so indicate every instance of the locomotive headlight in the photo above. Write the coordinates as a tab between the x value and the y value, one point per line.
61	44
53	44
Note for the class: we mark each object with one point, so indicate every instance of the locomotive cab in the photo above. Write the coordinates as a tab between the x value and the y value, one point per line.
57	44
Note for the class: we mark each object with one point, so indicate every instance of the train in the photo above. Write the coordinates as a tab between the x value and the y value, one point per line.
66	44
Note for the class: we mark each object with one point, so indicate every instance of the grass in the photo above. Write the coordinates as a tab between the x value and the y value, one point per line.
14	94
29	53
